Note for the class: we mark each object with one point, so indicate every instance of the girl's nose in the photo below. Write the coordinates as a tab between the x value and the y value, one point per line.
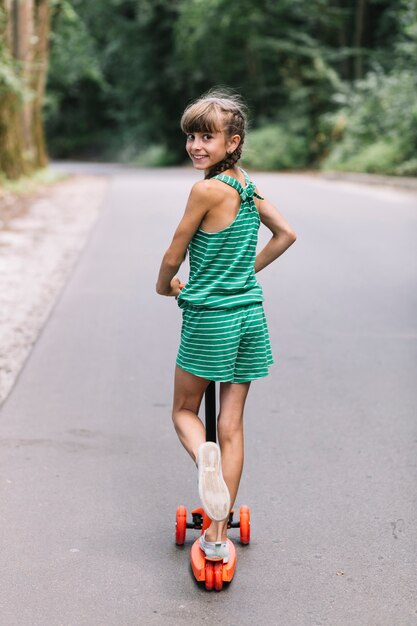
197	143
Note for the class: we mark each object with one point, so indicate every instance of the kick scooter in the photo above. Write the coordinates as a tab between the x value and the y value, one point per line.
212	572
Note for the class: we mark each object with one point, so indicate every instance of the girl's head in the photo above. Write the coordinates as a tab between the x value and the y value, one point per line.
215	126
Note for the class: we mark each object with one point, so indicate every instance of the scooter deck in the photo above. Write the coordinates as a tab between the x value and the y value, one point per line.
199	559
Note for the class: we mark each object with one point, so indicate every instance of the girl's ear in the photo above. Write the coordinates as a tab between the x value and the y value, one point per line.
232	144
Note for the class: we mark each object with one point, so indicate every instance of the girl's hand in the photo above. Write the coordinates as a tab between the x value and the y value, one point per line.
176	286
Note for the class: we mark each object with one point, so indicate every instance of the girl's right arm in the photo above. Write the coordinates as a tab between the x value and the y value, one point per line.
283	236
199	203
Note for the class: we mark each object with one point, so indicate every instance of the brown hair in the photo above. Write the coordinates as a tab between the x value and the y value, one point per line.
218	110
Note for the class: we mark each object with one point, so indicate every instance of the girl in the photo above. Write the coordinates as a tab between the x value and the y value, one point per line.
224	334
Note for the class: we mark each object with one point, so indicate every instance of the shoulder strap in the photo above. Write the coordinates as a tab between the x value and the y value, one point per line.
246	193
229	180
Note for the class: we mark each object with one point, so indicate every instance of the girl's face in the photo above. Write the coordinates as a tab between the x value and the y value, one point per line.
207	149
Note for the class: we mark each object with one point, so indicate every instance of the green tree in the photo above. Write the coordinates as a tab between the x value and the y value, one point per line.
24	28
123	70
373	126
124	87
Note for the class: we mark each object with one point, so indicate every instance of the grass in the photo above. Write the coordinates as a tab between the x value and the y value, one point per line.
26	185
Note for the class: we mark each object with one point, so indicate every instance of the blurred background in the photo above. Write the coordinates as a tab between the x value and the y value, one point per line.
330	84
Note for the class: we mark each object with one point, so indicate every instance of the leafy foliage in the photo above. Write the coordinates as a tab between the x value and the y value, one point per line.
375	128
272	147
324	81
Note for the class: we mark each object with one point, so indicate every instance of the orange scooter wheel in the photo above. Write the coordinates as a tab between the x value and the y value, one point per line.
218	576
180	525
244	520
209	575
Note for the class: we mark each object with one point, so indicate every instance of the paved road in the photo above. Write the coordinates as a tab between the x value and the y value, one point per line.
91	471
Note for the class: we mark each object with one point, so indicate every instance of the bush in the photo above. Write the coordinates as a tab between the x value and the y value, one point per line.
375	128
408	168
274	148
381	157
155	156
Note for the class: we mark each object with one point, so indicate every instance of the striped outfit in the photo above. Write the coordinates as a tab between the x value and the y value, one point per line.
224	334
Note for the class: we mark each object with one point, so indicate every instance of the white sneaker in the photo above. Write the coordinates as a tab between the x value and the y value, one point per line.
216	550
213	491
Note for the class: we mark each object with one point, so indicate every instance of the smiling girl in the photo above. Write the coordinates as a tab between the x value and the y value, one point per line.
224	334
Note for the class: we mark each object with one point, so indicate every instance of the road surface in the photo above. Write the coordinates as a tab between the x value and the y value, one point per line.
92	472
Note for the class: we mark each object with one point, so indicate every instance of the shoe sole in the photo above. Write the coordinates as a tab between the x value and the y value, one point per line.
212	488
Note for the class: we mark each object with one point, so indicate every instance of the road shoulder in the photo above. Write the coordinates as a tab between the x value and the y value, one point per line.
41	238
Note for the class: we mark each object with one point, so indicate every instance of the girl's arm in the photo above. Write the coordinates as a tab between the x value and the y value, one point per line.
282	238
199	203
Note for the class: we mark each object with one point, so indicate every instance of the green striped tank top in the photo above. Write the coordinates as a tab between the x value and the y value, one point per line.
222	274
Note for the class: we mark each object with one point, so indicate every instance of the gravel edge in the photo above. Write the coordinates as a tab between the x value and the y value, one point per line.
38	251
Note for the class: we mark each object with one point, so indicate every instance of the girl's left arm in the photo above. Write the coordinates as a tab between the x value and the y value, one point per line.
168	283
283	236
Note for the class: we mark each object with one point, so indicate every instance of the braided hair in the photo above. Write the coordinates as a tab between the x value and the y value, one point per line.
218	111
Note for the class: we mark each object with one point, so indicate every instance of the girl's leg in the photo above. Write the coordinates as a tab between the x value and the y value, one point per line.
230	433
188	393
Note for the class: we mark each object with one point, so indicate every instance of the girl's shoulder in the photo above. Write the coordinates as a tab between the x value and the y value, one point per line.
209	189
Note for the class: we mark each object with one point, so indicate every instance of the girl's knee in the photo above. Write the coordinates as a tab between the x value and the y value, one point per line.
174	416
230	429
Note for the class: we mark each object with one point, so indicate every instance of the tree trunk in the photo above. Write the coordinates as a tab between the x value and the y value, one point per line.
12	162
22	51
25	38
38	82
343	30
31	49
358	37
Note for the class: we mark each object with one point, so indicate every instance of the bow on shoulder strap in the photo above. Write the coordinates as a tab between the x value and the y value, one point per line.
249	192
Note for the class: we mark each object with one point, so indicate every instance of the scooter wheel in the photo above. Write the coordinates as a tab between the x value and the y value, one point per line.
244	525
180	525
209	575
218	576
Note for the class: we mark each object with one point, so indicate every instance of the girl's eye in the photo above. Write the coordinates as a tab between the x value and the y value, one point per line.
205	136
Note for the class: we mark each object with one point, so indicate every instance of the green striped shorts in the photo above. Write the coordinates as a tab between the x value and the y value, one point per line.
226	345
